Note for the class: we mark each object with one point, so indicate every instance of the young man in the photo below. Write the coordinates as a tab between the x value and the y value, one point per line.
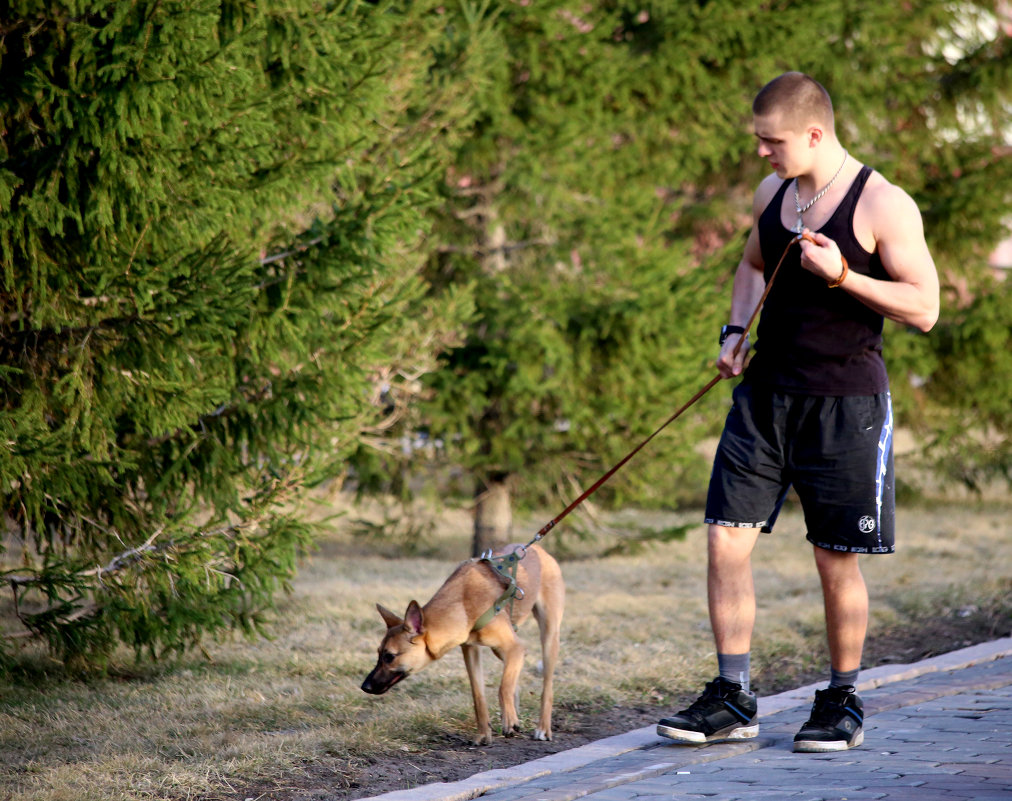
813	408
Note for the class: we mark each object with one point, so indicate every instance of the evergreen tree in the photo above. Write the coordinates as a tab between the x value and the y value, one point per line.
210	211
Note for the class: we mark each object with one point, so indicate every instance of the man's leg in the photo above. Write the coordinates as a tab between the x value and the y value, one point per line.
730	591
846	601
725	710
837	719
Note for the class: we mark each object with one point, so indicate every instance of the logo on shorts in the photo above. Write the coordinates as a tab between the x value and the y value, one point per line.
866	524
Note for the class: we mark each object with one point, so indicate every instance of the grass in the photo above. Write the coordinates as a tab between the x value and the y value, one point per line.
635	632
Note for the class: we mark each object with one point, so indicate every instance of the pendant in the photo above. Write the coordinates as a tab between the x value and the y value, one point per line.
799	226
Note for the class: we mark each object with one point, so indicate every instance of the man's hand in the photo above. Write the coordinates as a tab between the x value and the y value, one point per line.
728	363
821	257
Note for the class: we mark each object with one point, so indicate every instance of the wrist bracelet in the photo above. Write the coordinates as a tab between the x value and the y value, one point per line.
843	273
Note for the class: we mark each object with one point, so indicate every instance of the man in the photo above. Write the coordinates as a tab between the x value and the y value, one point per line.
813	408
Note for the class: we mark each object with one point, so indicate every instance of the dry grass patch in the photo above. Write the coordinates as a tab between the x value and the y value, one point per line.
269	717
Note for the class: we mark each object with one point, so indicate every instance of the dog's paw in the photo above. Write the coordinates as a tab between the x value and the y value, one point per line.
484	738
540	734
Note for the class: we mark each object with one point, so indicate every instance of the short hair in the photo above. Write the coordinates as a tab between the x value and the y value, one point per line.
800	98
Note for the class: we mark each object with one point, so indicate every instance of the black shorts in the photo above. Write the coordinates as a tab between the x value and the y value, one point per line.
837	452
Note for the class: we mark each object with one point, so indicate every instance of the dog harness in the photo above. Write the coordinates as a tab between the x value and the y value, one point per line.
505	568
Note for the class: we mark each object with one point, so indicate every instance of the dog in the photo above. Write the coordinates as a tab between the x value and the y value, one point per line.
426	633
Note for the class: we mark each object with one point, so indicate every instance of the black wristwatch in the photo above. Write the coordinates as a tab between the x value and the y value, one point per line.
727	330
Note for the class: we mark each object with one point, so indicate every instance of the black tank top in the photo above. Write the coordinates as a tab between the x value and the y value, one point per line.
811	339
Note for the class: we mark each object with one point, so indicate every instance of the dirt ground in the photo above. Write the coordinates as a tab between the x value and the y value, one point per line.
454	758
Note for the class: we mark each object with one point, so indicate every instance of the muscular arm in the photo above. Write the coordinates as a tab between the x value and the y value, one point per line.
911	297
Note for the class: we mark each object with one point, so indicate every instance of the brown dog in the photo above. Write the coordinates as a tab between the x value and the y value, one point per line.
427	633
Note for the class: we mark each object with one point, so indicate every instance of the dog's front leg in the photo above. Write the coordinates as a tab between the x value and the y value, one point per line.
472	661
512	656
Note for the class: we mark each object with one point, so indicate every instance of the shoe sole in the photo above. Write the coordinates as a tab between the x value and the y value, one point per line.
698	738
826	746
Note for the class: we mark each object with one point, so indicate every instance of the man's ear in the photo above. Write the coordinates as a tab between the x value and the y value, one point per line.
815	135
414	620
388	617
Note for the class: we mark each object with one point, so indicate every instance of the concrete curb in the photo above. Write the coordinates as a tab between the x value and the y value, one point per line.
646	737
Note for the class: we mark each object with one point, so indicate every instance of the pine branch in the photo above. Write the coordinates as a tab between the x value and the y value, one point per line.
76	580
129	557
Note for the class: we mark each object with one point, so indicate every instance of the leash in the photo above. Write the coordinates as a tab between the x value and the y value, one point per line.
506	566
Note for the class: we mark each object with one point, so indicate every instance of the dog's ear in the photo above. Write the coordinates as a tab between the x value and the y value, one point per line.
414	621
388	617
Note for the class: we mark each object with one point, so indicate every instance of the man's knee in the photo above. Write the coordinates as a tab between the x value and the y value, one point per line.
830	562
730	544
839	572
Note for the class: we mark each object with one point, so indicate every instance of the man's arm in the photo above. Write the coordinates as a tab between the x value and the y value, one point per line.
749	284
912	296
748	289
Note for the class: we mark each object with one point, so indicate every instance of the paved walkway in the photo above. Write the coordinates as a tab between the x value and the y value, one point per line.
937	730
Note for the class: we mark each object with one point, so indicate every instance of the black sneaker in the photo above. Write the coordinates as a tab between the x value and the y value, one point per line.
835	724
723	712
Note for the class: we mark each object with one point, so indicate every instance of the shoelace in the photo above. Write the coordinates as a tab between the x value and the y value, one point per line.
711	692
829	706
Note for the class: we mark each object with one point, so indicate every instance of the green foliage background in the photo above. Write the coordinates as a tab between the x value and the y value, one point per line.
246	249
601	199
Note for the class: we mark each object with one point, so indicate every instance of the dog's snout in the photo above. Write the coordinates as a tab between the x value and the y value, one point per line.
378	682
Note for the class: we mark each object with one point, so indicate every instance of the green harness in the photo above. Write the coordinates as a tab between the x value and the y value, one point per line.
505	568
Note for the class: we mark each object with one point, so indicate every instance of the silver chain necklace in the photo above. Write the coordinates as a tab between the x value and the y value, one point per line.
799	226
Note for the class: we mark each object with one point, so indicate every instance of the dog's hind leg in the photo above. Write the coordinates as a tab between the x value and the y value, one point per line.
548	612
472	661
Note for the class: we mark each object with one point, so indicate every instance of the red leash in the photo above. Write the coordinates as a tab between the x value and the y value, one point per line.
710	385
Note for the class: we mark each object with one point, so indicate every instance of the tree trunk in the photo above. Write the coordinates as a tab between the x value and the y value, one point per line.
493	516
